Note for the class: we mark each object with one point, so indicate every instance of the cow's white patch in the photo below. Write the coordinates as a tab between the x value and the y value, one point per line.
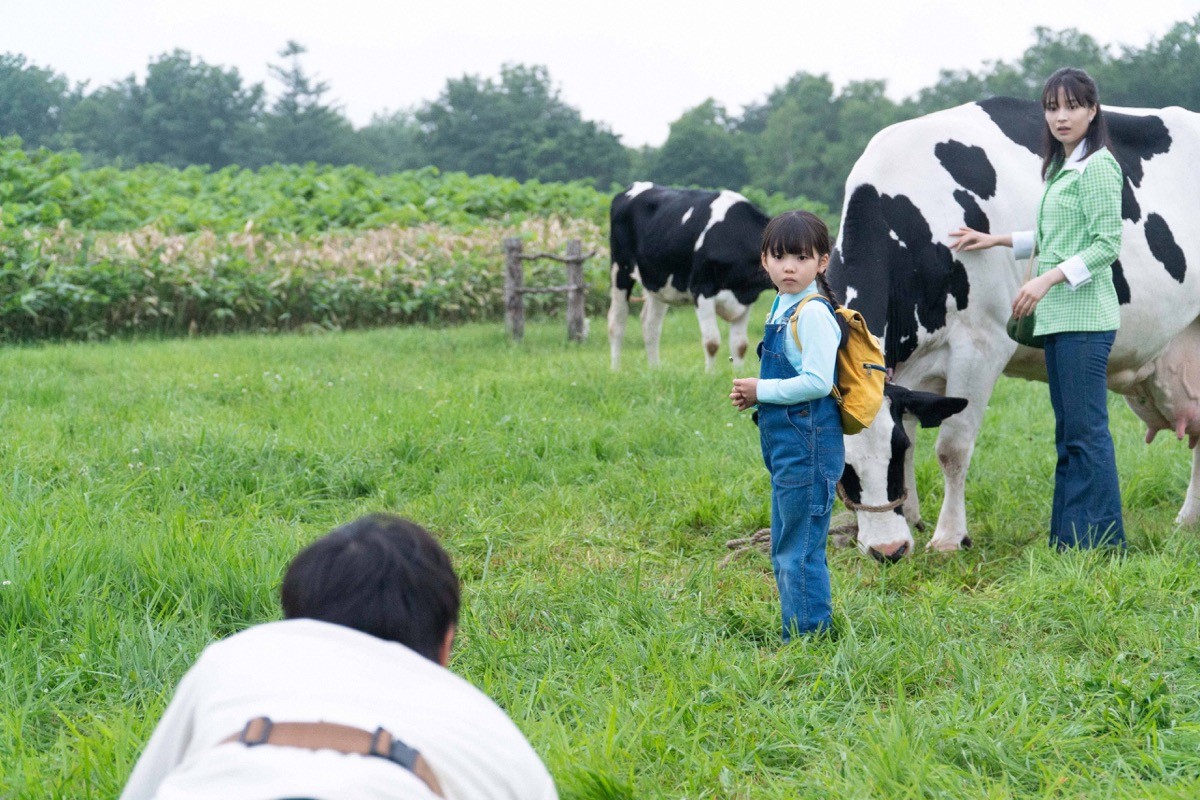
720	207
851	293
728	305
687	215
671	295
638	188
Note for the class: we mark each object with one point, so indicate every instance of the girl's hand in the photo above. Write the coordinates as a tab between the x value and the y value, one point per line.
744	394
1029	295
970	239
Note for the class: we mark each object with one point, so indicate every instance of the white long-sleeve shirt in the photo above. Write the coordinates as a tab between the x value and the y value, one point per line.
305	671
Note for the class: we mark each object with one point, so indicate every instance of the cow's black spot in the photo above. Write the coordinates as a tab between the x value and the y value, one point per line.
860	260
1163	246
969	166
900	444
851	484
1130	209
1136	140
1020	120
973	215
1119	283
887	242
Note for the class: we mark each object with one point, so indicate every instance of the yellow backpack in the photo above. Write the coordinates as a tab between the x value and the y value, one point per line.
860	367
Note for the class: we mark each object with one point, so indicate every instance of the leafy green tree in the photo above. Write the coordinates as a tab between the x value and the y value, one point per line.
392	143
302	126
194	113
187	112
520	128
811	136
106	125
704	149
33	100
1164	73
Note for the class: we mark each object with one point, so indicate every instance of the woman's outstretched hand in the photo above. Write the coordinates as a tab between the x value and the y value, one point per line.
971	239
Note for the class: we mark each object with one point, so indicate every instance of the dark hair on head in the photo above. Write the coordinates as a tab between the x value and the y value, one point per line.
1080	90
799	233
379	574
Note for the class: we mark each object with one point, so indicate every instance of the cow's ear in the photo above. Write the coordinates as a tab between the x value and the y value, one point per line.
930	409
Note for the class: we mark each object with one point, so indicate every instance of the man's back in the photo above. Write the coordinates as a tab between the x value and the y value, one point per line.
303	670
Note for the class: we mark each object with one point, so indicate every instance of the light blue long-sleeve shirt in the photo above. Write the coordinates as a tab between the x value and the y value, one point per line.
821	336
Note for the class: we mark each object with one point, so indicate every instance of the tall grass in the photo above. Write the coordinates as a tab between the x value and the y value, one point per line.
151	494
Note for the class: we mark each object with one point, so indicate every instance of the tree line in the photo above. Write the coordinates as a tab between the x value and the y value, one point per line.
800	142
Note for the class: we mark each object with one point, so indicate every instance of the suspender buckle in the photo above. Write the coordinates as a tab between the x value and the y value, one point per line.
256	732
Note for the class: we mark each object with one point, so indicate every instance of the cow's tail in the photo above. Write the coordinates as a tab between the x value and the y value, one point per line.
623	246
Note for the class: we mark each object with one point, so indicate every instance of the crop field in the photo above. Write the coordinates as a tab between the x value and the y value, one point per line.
151	493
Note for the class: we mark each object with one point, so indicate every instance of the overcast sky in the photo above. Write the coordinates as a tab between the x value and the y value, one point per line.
633	65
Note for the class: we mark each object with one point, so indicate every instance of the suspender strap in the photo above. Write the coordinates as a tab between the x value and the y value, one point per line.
794	327
339	738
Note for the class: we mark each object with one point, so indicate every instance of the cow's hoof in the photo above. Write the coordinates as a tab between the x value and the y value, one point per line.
889	553
966	543
948	546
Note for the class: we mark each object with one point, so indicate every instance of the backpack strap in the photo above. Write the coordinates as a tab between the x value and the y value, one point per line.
794	320
843	330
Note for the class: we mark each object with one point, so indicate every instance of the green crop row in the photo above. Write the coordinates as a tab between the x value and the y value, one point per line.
44	188
67	284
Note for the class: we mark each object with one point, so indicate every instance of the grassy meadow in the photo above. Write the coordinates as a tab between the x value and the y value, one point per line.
151	493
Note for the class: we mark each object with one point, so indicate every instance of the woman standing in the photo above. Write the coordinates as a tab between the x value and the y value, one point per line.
1077	239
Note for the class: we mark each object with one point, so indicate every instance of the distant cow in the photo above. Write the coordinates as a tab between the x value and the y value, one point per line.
685	246
942	314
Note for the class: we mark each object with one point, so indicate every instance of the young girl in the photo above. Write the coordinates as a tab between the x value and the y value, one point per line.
1078	237
798	420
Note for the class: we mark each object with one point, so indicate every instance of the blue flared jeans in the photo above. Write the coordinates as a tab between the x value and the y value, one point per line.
1086	511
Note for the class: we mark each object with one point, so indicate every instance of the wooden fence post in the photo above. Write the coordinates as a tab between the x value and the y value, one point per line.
576	318
514	299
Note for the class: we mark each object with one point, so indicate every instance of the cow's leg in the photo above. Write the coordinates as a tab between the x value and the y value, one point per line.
623	279
653	312
738	317
973	376
618	312
1190	513
710	334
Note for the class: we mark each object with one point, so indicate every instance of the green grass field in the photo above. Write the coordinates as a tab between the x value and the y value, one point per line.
151	494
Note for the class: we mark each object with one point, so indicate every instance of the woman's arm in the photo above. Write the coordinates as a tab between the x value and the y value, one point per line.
967	239
1100	200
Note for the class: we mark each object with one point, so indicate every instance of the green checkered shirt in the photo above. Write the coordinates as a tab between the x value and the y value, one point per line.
1080	215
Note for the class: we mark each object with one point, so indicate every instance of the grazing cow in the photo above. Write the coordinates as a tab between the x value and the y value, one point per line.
942	314
685	246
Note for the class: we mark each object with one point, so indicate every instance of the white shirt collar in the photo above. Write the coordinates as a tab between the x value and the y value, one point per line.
1076	160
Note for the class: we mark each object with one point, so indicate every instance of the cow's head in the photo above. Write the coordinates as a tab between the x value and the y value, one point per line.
874	474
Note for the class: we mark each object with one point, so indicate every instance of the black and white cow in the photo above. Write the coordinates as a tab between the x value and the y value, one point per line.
685	246
942	314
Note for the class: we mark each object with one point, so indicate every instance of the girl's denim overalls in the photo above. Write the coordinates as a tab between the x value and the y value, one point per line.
803	450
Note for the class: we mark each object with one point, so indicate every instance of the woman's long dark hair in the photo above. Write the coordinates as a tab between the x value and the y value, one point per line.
1081	90
799	233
